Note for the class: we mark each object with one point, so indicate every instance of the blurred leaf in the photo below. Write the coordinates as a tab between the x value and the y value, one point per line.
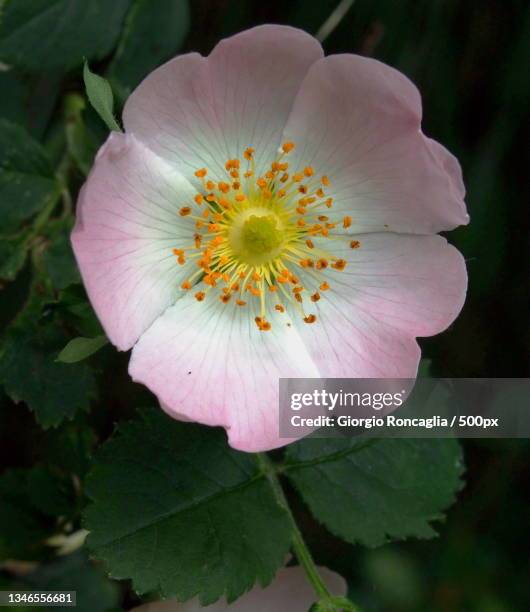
179	492
13	252
27	182
74	308
154	31
22	529
43	35
50	494
29	373
81	348
28	100
81	142
58	258
95	593
377	490
69	448
100	95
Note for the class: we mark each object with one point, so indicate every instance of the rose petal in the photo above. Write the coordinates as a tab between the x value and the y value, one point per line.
289	592
197	111
210	363
393	289
127	224
358	122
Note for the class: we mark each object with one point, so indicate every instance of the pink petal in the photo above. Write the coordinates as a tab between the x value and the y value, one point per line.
127	224
357	121
393	289
197	111
209	362
289	592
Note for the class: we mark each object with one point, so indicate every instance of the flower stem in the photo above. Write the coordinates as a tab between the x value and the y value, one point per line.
302	552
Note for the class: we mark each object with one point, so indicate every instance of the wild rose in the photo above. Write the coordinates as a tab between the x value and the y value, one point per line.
289	592
269	213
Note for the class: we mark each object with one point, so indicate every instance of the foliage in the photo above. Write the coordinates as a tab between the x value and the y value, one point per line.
171	509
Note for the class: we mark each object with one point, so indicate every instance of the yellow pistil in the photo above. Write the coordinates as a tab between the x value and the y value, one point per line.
256	236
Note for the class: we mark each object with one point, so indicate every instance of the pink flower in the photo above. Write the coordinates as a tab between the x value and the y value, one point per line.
269	213
289	592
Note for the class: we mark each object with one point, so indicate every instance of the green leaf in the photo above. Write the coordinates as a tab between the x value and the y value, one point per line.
95	593
377	490
100	95
13	252
154	31
69	448
82	144
27	182
74	308
81	348
28	100
58	258
176	510
22	528
50	494
29	373
55	35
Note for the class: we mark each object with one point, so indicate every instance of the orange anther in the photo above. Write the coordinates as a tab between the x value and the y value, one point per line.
287	147
184	211
241	303
346	222
310	318
225	298
248	153
340	264
355	244
324	286
201	173
224	187
186	285
315	297
199	296
310	244
198	199
279	308
325	181
240	197
321	264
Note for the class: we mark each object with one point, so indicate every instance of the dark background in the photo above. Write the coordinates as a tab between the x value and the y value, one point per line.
470	60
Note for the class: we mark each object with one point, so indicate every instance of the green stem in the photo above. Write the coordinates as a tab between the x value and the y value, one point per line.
302	552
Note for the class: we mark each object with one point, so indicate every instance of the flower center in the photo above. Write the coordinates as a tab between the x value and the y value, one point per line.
256	237
261	235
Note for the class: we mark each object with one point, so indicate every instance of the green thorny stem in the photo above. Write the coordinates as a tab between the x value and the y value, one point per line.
302	552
